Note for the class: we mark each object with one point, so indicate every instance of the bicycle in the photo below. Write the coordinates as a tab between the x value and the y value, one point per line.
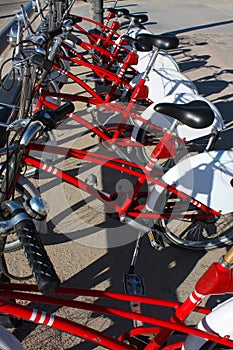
161	78
149	86
148	212
50	98
158	333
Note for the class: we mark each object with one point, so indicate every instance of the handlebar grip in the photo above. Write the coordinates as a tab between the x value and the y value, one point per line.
51	117
42	62
59	113
74	39
42	268
54	32
75	19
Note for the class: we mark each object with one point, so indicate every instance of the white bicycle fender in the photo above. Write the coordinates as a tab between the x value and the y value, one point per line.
219	321
163	61
8	341
206	177
164	82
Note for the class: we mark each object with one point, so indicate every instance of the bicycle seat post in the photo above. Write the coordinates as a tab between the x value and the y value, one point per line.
151	62
227	259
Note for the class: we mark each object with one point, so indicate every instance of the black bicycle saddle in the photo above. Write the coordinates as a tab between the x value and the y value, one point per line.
138	19
196	114
162	42
119	12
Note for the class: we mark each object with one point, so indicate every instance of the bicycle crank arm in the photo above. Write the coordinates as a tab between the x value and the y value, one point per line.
156	240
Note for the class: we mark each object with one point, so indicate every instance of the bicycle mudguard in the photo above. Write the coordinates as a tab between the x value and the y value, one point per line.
182	131
206	177
218	321
163	61
166	82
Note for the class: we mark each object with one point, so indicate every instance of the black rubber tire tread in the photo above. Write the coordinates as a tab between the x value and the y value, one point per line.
39	261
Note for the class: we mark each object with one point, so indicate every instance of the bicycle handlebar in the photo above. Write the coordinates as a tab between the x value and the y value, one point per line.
74	39
40	263
41	120
50	118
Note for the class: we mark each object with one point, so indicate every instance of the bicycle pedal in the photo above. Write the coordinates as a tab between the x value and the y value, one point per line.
91	180
156	240
133	284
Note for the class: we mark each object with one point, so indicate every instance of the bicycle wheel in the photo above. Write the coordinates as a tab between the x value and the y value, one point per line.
195	234
8	340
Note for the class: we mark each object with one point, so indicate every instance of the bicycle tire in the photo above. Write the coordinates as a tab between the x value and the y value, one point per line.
8	341
195	234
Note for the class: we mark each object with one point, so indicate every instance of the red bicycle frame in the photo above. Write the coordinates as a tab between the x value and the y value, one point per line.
101	73
221	279
130	206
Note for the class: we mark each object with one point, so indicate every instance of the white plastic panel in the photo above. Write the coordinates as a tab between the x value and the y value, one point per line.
164	82
207	177
219	321
163	61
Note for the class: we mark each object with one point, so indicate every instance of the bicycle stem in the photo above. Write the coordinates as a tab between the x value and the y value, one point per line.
151	62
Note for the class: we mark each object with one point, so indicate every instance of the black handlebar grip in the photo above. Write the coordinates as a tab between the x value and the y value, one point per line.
42	62
59	113
51	117
75	19
74	39
40	263
54	32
